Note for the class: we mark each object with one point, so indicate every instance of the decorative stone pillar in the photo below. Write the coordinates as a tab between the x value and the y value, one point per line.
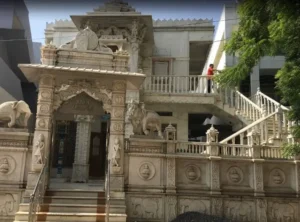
136	38
261	209
213	149
116	139
170	133
43	128
297	176
82	149
171	208
217	207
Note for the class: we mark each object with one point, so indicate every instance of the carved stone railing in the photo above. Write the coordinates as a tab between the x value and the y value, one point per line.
235	151
272	152
176	84
191	148
36	198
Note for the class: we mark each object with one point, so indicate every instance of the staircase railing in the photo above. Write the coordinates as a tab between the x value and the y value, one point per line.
107	191
259	126
36	198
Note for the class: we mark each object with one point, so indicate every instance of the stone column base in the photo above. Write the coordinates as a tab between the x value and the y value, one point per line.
80	173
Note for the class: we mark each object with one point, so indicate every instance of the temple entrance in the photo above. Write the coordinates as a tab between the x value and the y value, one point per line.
64	149
98	152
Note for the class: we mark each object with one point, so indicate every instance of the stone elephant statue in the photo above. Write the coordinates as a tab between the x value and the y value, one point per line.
7	204
241	212
12	111
142	120
282	212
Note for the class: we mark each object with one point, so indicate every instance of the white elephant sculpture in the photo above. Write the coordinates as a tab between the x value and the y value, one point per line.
142	120
11	112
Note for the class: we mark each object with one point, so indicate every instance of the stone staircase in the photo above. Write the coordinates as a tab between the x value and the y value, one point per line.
262	116
74	205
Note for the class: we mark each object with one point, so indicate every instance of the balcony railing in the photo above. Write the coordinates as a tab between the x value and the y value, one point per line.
177	84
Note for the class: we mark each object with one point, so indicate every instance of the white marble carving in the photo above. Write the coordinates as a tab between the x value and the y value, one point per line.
192	173
7	165
235	175
39	150
239	211
143	120
12	112
277	177
146	171
116	156
145	208
187	205
86	40
7	204
279	212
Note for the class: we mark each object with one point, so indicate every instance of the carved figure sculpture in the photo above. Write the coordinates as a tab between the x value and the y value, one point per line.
12	111
282	212
39	150
85	40
7	203
143	120
116	155
239	211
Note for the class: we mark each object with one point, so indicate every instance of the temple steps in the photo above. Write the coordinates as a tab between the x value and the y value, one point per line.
74	205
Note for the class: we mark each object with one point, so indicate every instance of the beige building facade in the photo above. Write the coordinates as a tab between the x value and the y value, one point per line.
126	130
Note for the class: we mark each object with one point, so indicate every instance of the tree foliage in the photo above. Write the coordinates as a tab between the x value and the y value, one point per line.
267	27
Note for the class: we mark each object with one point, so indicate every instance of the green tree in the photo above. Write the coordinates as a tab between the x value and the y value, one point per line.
267	27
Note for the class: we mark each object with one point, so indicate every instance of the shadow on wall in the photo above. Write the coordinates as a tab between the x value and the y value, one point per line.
197	217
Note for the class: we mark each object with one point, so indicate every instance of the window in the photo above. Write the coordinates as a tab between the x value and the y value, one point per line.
162	66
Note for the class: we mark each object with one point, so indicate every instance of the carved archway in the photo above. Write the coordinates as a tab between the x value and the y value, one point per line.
73	88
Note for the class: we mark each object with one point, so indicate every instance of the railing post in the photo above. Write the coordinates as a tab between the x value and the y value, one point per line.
255	143
213	149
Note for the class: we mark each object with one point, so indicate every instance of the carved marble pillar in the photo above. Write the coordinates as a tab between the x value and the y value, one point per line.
43	125
82	149
171	168
215	186
43	129
116	139
297	176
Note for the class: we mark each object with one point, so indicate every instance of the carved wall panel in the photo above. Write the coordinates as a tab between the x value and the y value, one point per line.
82	104
171	207
239	210
235	174
192	204
7	165
280	210
144	171
72	88
278	177
8	204
192	174
149	208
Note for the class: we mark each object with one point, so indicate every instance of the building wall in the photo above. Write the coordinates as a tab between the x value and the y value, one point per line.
229	23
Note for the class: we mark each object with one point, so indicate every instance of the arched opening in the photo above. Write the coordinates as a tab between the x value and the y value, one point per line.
80	129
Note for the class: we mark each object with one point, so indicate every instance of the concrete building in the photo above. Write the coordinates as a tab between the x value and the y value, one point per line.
262	74
127	130
15	49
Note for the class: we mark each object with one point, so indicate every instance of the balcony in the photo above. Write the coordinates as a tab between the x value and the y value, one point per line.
178	89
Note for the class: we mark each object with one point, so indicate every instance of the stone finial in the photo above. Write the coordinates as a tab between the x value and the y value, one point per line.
258	89
170	132
212	134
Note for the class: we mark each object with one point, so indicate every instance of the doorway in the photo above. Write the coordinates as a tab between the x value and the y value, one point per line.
98	152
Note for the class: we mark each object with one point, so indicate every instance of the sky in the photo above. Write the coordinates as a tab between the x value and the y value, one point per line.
42	11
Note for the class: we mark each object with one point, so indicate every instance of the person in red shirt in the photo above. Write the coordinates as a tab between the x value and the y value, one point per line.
210	73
